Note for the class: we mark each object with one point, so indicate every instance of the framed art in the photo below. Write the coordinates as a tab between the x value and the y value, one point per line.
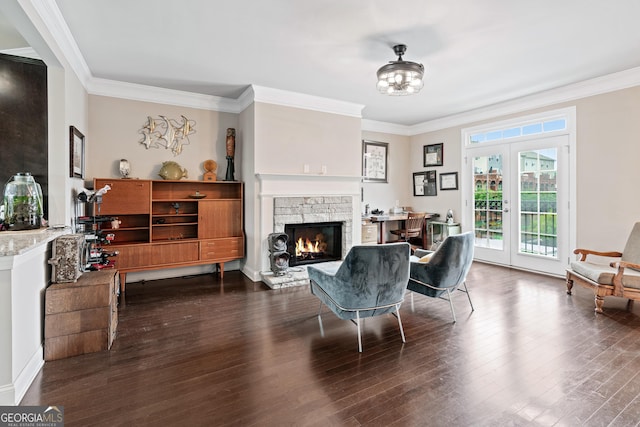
418	183
430	184
449	181
424	183
374	161
433	155
76	150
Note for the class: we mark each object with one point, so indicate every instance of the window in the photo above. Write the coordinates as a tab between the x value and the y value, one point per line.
524	130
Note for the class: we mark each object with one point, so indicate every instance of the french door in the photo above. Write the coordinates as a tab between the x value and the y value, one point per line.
518	203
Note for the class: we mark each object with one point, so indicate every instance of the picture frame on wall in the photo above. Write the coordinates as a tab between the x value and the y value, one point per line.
424	183
449	181
76	152
433	155
374	161
431	184
418	183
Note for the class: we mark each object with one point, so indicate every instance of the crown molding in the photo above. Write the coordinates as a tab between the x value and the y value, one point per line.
25	52
307	102
385	127
53	20
138	92
596	86
584	89
57	26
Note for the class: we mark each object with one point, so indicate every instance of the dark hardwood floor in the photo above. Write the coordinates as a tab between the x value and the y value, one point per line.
198	351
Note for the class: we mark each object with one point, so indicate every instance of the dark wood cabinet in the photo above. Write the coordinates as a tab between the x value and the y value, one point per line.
166	224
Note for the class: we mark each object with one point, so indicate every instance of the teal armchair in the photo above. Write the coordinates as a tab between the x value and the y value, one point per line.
446	269
371	281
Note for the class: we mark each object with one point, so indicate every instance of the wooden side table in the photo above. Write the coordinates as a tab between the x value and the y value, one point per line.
81	317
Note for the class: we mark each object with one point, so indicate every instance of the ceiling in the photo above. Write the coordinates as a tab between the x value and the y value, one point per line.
476	53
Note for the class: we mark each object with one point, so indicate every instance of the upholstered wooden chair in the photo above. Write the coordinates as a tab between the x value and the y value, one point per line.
619	278
413	227
437	274
371	281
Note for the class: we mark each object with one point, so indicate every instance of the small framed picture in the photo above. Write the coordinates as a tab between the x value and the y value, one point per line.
374	161
449	181
418	183
424	183
433	155
76	150
431	184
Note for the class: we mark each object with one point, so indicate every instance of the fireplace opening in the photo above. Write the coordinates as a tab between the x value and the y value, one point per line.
314	242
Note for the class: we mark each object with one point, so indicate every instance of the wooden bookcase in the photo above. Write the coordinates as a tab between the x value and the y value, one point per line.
167	224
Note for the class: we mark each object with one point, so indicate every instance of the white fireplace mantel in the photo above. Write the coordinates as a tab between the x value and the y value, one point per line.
276	185
307	184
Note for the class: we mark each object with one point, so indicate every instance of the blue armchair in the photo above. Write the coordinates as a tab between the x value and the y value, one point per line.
371	281
445	270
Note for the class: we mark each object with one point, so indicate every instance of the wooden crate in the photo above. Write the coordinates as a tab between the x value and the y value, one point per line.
81	317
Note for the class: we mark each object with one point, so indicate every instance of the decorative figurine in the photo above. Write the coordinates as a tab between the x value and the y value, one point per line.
125	168
231	150
210	167
172	171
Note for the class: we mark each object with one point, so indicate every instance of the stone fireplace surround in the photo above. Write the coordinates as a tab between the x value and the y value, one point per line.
306	198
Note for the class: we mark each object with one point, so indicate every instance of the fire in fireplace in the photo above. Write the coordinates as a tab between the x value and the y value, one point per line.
314	242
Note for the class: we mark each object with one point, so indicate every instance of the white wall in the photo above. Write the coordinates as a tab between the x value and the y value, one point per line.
113	134
288	138
384	195
607	173
444	200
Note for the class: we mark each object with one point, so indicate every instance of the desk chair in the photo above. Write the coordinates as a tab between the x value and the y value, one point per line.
413	227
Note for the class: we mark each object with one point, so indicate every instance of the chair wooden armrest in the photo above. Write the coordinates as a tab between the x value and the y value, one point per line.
584	252
618	287
598	277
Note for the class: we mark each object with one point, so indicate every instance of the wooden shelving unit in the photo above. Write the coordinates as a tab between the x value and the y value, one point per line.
166	224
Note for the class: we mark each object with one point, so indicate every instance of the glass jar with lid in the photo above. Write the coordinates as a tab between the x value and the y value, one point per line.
22	203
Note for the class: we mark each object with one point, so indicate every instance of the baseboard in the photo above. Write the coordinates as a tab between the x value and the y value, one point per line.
12	394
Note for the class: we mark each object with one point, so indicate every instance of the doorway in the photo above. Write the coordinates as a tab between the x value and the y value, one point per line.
518	203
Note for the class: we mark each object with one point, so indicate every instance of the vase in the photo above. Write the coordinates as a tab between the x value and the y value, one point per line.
23	203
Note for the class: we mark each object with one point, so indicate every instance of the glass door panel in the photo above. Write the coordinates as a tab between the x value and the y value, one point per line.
489	221
532	232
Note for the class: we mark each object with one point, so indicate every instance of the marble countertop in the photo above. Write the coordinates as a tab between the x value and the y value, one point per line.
18	242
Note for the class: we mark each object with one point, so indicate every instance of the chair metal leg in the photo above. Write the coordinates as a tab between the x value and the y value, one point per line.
320	310
397	313
468	296
453	312
359	335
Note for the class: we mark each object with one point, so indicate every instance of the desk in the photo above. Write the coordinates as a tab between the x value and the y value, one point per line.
383	219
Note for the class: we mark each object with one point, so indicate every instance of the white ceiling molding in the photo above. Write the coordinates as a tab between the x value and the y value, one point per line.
599	85
137	92
385	127
25	52
307	102
52	18
57	26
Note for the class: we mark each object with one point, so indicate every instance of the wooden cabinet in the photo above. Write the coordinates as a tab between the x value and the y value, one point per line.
369	233
81	317
166	224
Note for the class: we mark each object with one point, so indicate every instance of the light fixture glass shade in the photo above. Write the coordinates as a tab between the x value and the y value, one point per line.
400	77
